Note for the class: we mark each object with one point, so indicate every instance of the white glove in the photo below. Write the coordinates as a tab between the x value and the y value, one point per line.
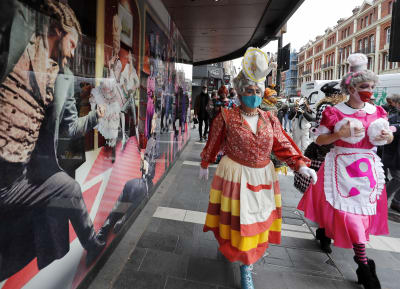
307	172
203	174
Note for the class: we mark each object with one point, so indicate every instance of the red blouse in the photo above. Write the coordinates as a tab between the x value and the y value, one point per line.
231	132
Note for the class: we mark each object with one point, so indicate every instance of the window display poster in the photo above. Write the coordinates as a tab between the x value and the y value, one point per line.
57	219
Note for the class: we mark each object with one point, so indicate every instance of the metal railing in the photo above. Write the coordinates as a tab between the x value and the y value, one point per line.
368	50
328	64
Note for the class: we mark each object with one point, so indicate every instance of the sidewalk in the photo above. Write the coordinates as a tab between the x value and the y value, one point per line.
166	248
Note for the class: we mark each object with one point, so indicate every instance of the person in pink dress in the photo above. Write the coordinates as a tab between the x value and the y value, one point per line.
349	200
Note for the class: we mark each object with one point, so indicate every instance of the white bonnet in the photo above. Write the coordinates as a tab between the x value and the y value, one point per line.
358	62
254	69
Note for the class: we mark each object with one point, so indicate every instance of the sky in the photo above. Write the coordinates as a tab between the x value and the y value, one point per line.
310	20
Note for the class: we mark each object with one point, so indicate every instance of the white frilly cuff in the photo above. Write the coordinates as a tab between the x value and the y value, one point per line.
374	130
354	123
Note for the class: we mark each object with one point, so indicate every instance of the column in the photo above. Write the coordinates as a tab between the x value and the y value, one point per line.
335	67
355	26
380	11
377	48
312	68
100	18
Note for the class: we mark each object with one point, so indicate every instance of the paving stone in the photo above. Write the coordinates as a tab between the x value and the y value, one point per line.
297	243
394	229
389	278
313	282
291	213
291	221
186	204
135	259
203	205
312	261
176	228
211	271
198	233
158	241
128	279
175	283
197	248
154	225
165	263
290	202
272	278
275	255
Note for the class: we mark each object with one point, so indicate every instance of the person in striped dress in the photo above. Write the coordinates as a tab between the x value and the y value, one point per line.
245	208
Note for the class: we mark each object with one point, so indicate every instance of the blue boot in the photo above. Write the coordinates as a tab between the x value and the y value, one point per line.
246	279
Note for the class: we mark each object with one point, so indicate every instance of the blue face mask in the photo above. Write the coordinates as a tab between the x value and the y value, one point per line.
251	101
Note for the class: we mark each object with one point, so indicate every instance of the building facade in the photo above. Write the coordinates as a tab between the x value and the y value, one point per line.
366	31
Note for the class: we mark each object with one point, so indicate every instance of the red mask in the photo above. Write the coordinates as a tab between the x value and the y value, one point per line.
365	96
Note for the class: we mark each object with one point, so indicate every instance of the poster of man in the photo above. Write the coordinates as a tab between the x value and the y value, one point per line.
37	198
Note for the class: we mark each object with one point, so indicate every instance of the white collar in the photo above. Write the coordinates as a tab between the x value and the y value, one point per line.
368	108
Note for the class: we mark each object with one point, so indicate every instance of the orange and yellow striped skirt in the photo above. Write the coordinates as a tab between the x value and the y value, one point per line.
223	216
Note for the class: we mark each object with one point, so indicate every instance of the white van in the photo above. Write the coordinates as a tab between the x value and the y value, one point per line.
388	85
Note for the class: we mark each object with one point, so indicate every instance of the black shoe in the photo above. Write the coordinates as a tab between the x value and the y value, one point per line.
93	250
118	225
325	242
104	231
366	274
201	139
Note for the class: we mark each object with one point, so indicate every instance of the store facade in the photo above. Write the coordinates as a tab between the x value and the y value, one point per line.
95	96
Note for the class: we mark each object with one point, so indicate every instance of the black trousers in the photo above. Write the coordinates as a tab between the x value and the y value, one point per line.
25	193
180	123
206	123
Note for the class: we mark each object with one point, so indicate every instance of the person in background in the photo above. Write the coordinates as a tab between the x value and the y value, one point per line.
301	117
391	156
349	199
223	100
269	101
389	106
287	123
212	107
233	95
243	218
200	112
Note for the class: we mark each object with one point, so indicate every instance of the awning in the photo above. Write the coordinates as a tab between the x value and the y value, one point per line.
222	30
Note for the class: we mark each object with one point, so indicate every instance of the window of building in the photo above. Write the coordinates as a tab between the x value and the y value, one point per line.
359	45
362	23
387	33
372	43
366	21
386	61
390	7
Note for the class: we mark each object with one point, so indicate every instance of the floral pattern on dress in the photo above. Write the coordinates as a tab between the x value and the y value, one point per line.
233	134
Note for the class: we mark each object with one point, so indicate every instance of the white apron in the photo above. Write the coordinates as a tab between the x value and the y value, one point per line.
353	180
257	197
